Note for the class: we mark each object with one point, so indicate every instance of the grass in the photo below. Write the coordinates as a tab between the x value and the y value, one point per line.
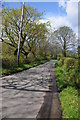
68	90
69	102
8	71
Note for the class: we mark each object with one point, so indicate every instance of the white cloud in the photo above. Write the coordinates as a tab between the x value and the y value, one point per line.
62	3
72	13
57	22
71	18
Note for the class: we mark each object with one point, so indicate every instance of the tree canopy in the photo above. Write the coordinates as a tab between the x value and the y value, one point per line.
36	38
33	32
66	38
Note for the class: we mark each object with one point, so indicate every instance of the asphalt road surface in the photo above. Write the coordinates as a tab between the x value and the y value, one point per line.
31	93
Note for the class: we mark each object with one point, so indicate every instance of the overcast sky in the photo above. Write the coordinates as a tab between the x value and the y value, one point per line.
59	13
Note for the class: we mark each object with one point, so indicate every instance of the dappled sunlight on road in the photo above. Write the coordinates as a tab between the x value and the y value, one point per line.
23	93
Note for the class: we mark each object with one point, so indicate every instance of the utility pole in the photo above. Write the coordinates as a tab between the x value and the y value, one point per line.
21	24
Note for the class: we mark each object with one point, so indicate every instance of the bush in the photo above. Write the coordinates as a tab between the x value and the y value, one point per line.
61	61
57	64
68	79
69	63
62	78
9	61
70	71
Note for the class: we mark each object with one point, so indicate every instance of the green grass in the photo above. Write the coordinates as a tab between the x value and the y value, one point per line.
68	90
69	102
7	71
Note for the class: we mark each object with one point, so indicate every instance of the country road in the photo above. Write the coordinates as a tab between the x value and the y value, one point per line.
31	93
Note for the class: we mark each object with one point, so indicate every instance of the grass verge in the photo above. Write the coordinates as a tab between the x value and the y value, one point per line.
68	92
8	71
69	102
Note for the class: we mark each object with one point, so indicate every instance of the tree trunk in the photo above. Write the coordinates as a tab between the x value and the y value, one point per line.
64	52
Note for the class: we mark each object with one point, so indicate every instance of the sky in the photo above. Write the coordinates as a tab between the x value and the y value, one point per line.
60	13
48	7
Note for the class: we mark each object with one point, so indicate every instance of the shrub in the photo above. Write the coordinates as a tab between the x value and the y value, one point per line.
67	75
61	61
9	61
62	79
69	63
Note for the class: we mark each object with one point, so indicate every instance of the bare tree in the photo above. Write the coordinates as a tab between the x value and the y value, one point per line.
66	38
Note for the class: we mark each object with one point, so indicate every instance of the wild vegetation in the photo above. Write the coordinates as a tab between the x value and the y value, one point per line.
34	46
67	75
39	44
